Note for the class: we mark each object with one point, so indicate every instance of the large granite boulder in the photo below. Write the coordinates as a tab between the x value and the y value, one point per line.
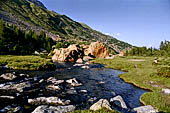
54	109
70	54
97	49
102	103
145	109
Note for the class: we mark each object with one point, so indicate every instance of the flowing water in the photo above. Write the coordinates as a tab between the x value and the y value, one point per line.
104	83
99	82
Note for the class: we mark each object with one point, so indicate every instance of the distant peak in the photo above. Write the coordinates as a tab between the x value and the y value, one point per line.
37	2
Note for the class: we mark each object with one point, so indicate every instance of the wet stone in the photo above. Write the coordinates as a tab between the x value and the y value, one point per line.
48	101
54	109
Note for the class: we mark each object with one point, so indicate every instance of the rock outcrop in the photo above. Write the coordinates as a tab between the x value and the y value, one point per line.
97	50
54	109
102	103
70	54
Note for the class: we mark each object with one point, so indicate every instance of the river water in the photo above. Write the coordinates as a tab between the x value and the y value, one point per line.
98	81
104	83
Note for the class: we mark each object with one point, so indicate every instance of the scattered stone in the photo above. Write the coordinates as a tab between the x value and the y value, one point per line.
92	99
145	109
166	91
11	109
102	103
54	87
118	100
87	63
71	91
78	65
79	60
7	97
14	88
54	81
83	91
48	101
73	82
54	109
8	76
24	75
85	67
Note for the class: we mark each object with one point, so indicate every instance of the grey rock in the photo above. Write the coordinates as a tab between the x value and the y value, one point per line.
14	88
54	109
71	91
73	82
145	109
8	76
48	101
7	97
166	91
118	100
102	103
54	81
53	87
11	109
83	91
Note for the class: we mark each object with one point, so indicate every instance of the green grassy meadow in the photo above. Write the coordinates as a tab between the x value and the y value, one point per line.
142	72
29	62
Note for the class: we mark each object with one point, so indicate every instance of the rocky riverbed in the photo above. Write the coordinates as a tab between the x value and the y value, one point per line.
79	86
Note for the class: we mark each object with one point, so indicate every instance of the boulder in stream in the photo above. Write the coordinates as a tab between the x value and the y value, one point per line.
54	109
48	101
102	103
118	100
73	82
14	88
54	81
8	76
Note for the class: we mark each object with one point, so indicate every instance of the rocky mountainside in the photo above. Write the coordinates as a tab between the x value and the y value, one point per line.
38	3
32	14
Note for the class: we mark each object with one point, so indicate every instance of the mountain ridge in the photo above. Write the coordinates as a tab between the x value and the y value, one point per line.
28	15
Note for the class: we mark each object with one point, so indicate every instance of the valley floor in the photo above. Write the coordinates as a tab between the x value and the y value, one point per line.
144	73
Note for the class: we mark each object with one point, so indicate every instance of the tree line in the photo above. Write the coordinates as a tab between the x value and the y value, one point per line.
164	50
13	40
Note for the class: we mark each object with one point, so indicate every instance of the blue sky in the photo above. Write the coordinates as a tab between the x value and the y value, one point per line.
138	22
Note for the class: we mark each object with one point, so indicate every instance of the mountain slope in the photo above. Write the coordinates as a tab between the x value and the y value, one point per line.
28	15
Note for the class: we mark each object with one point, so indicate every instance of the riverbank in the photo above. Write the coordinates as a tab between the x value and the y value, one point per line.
28	62
143	73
